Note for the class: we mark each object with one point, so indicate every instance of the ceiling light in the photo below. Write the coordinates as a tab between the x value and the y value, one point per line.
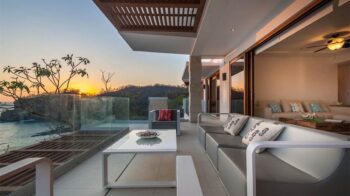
336	43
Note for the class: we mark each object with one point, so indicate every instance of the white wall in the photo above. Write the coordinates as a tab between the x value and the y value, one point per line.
225	89
283	76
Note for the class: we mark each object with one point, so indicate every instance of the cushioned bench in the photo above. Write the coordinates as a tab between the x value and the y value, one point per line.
281	171
209	124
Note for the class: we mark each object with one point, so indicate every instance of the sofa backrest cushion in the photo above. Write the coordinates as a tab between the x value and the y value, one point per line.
286	105
319	163
323	105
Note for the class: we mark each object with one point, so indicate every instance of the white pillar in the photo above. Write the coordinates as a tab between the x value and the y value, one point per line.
195	87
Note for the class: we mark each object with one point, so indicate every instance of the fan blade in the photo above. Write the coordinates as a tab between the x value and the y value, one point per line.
336	34
320	49
316	46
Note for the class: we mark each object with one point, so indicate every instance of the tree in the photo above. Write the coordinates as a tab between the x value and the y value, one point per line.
13	89
106	79
41	76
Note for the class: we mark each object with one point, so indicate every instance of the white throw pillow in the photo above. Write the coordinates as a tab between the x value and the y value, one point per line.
296	107
235	125
263	131
228	119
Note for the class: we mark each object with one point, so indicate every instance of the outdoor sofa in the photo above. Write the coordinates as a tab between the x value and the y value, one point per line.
154	123
279	171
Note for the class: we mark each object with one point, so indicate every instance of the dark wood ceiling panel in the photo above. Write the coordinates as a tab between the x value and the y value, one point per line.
153	15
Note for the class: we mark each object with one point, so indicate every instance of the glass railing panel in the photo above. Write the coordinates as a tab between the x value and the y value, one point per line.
37	118
178	103
104	113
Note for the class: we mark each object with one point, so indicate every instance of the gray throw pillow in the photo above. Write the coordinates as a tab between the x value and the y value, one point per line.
275	107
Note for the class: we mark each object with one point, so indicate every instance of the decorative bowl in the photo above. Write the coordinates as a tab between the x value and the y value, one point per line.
148	134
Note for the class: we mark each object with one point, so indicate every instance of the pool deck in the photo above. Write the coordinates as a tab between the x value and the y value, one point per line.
86	178
66	152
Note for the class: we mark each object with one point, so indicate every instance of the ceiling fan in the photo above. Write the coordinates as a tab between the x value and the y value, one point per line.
335	41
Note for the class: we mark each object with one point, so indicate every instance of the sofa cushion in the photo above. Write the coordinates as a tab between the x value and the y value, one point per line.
294	115
296	107
209	120
164	125
343	117
268	167
213	129
325	115
235	125
263	131
316	107
286	105
225	140
323	105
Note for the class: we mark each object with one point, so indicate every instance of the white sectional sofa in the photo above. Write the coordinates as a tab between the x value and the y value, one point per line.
283	171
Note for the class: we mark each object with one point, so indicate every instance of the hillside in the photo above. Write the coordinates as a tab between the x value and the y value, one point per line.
138	96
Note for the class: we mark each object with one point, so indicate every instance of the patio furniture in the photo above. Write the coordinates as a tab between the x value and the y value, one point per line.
337	127
187	182
319	167
131	143
154	123
43	173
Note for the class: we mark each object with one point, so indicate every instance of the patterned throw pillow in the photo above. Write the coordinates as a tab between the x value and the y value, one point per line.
228	119
316	107
296	107
275	107
165	115
263	131
236	124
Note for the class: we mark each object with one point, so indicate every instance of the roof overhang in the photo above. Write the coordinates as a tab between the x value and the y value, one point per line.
168	26
208	28
208	69
153	15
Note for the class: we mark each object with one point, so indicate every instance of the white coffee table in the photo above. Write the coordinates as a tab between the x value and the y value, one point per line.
131	143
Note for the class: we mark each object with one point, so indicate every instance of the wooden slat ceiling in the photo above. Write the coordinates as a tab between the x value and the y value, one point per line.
153	15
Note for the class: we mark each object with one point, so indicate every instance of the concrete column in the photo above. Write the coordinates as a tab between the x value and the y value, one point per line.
195	87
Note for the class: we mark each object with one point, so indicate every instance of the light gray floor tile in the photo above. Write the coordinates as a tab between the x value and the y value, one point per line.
86	178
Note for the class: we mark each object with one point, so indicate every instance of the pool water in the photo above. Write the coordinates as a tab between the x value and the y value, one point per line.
20	134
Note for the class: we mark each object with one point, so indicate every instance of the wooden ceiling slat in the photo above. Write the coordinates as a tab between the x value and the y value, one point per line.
142	16
153	15
159	18
180	5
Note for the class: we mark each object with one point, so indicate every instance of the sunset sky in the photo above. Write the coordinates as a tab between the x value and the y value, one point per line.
34	29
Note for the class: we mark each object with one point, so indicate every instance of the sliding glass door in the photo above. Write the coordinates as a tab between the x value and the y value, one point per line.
237	86
214	94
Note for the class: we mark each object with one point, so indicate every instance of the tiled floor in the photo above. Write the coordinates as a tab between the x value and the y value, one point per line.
86	179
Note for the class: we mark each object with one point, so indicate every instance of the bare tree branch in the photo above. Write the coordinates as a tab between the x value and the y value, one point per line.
34	76
106	79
